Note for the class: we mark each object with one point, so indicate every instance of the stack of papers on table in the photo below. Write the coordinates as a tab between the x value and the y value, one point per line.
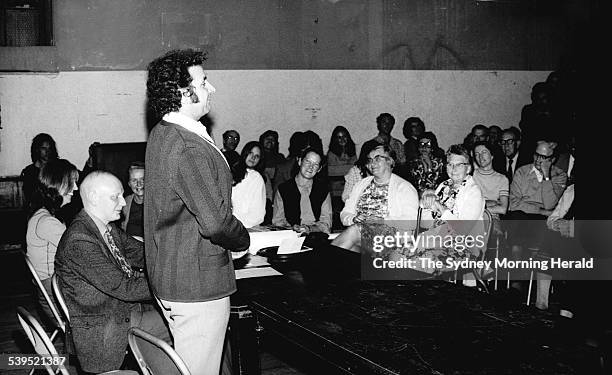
259	240
257	266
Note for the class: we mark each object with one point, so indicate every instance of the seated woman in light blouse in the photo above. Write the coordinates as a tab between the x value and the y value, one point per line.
457	199
249	190
54	188
303	203
381	196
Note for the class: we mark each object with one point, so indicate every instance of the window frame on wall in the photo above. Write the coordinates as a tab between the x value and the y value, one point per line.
37	12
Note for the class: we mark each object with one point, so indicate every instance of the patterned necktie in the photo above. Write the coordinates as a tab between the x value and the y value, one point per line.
125	266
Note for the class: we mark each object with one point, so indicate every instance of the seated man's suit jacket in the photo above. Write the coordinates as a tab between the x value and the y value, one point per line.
99	295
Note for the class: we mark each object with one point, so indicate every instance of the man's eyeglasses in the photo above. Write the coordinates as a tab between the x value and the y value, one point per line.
537	156
231	137
506	141
377	159
458	165
425	143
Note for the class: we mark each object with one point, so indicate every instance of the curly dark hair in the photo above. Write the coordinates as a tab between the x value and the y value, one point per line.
268	133
334	146
54	179
239	168
37	142
409	123
166	75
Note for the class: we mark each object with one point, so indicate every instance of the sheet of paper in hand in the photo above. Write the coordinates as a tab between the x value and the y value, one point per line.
260	240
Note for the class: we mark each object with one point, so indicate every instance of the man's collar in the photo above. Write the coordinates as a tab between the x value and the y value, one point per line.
189	124
102	227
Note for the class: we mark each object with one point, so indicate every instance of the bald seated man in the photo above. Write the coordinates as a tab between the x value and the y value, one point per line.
104	294
534	193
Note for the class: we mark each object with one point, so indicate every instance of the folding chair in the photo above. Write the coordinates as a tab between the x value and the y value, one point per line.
52	307
59	297
154	355
488	225
39	339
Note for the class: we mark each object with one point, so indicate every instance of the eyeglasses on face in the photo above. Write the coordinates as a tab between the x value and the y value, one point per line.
458	165
232	137
537	156
425	143
507	141
377	159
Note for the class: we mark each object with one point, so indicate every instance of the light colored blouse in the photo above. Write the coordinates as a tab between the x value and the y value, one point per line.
249	199
403	200
42	237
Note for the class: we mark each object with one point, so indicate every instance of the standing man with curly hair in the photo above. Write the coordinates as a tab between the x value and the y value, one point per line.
189	226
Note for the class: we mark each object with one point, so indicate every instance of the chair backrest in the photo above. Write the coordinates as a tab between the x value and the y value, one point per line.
59	297
487	218
42	289
154	355
39	339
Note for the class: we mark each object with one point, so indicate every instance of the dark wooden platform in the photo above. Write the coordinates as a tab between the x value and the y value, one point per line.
405	327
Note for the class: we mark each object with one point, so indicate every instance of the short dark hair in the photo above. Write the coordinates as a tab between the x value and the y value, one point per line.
409	122
366	148
296	143
37	142
385	117
227	132
54	179
480	127
166	75
486	145
540	87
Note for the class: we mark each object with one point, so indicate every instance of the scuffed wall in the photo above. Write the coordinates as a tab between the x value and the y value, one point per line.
78	108
309	34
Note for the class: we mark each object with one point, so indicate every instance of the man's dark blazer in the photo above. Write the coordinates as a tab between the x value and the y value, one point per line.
522	159
189	226
99	295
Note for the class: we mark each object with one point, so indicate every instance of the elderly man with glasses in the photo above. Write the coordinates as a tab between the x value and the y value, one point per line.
534	193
